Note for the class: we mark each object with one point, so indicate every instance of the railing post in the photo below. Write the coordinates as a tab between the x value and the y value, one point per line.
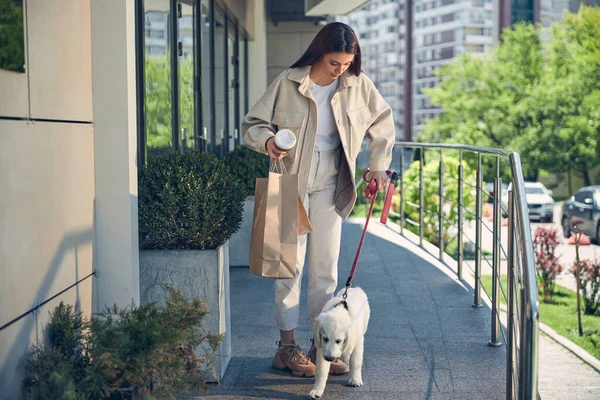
495	339
460	218
402	194
441	210
477	294
512	263
421	195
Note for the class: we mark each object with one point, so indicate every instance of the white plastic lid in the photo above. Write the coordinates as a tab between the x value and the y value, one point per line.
285	139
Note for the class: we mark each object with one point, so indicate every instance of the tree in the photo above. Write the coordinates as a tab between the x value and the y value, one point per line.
481	94
536	97
563	107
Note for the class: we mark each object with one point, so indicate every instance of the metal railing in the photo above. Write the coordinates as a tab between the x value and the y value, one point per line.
520	333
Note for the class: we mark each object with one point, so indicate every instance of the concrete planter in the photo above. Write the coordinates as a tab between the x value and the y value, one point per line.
240	241
196	273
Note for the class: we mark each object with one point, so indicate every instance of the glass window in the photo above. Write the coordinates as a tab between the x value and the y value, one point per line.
157	78
581	196
205	37
243	82
12	43
186	35
232	92
220	86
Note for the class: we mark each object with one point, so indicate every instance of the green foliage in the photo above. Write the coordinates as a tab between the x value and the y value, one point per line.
589	282
536	97
431	186
561	315
245	165
12	45
148	349
187	201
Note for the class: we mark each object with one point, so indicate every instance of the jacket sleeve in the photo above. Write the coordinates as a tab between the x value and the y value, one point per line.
257	126
381	132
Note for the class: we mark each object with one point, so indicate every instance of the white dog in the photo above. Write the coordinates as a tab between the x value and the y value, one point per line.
339	332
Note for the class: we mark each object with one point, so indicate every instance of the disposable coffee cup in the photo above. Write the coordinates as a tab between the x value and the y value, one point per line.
285	140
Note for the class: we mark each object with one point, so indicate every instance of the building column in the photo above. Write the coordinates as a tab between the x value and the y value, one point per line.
116	252
257	51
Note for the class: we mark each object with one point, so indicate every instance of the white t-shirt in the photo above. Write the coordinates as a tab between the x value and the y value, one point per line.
328	137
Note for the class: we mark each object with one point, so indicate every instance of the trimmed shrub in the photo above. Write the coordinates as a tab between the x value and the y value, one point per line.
187	201
245	165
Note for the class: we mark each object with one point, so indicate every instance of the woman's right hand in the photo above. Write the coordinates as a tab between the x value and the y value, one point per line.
272	150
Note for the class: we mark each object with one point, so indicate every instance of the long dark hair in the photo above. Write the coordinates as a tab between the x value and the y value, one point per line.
335	37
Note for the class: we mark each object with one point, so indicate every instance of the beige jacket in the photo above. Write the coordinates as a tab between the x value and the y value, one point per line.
359	111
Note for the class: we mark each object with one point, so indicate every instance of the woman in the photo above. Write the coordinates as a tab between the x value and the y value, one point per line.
330	106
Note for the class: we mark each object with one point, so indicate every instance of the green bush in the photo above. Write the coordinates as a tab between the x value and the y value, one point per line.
246	165
431	197
148	350
187	201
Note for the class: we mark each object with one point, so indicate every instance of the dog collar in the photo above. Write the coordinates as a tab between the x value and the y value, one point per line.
344	303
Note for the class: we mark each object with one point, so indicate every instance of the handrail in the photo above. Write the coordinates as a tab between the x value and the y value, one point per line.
530	316
521	369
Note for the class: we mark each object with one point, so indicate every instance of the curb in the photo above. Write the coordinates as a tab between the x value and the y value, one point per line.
579	352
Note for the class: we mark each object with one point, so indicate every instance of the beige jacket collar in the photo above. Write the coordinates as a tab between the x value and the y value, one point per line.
301	75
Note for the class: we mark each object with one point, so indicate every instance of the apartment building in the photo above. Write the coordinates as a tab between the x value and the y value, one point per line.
381	28
443	29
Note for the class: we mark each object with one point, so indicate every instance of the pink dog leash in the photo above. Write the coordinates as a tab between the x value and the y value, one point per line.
371	193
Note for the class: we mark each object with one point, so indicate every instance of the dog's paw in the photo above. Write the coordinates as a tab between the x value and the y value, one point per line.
355	382
315	394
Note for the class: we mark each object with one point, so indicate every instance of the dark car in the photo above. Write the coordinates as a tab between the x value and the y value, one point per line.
583	206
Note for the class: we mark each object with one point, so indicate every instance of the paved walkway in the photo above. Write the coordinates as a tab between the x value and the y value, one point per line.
425	341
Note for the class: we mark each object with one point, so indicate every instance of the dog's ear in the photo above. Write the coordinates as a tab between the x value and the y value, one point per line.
317	333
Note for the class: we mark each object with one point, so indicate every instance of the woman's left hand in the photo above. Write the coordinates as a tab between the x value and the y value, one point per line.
380	177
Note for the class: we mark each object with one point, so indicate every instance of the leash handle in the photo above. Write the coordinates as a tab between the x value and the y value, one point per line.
388	198
371	193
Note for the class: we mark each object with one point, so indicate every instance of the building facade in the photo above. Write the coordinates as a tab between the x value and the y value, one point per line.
381	29
443	29
97	87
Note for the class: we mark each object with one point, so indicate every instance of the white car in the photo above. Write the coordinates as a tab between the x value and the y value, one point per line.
539	201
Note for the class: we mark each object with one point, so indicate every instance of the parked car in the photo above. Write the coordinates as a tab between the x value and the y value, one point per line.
539	201
583	206
489	188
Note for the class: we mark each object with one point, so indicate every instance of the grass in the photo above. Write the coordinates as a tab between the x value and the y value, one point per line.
561	315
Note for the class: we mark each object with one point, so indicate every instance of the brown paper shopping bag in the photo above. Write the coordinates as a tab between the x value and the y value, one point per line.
279	217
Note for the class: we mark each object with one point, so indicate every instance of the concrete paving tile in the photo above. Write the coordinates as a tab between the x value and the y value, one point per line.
479	385
402	381
435	353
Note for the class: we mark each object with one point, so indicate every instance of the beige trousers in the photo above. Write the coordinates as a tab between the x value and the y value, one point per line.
323	245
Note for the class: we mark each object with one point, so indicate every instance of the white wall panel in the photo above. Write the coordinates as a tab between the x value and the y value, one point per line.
15	341
14	96
60	61
46	211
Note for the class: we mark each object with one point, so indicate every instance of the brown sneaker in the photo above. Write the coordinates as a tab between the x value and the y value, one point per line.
290	356
337	367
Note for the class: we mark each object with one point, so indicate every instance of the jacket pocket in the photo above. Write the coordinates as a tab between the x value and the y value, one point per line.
359	122
292	120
